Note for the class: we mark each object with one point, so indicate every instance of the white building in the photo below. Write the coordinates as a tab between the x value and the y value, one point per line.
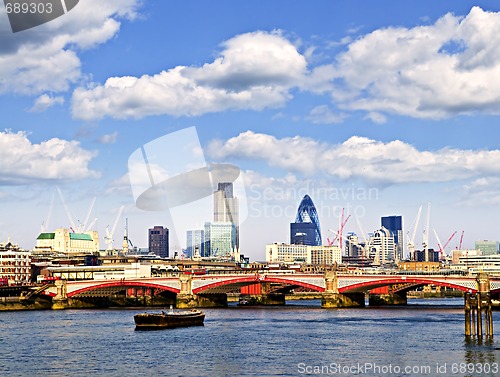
63	241
15	264
381	246
281	252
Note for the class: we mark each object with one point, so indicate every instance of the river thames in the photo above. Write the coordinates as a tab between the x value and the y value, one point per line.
426	338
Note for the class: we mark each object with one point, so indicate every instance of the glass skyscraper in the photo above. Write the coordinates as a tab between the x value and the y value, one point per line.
306	229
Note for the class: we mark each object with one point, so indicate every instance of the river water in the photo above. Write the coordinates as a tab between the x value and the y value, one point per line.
426	338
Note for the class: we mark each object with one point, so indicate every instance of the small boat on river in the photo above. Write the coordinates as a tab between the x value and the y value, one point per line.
168	320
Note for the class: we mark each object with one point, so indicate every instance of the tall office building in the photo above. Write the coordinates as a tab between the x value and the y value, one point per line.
226	208
306	229
487	247
220	239
395	225
195	240
382	247
158	241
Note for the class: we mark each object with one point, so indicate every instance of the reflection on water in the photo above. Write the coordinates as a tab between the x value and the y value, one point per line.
299	339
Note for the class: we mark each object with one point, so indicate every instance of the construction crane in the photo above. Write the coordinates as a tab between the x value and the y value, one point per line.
338	234
411	240
70	218
109	235
461	239
443	247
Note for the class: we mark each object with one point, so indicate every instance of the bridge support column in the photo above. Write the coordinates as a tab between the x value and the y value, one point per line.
385	296
271	299
213	300
331	298
60	301
478	315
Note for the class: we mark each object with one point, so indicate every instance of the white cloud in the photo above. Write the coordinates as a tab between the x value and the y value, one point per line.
108	138
322	114
45	58
45	101
254	71
447	68
24	162
372	161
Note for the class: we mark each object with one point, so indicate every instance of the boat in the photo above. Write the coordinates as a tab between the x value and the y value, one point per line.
168	320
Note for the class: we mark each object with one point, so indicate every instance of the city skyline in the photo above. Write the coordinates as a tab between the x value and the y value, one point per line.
376	112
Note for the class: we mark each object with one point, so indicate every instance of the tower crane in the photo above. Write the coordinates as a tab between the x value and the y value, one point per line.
443	247
411	240
109	235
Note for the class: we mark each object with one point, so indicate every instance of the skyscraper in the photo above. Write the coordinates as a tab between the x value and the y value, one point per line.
226	208
195	239
306	229
158	241
395	225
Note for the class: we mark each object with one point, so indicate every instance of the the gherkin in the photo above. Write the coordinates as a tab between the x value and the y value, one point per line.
306	229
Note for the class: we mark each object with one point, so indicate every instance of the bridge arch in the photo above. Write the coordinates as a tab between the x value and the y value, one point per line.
383	282
122	283
242	281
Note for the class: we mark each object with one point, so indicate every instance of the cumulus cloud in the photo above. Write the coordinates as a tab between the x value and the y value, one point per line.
24	162
45	101
373	161
45	58
254	71
436	71
322	114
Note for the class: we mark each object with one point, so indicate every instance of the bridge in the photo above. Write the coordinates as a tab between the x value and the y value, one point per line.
337	289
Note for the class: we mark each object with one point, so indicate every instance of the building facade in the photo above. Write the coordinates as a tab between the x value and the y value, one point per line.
64	241
487	247
226	208
306	229
220	239
292	253
15	264
158	239
195	243
381	247
395	225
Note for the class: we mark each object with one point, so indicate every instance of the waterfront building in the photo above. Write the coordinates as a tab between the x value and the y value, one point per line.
220	239
158	240
381	246
395	225
64	241
457	254
226	207
489	264
195	243
306	229
287	253
15	264
419	266
487	247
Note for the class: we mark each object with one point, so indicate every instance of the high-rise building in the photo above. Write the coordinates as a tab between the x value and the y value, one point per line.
306	229
226	208
195	241
220	239
395	225
487	247
158	241
382	247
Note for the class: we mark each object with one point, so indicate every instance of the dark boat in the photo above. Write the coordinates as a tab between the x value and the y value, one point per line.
168	320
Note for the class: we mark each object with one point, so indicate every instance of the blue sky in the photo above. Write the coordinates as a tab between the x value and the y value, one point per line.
378	107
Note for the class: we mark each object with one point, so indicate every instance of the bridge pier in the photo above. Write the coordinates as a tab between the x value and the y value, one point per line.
270	299
60	301
331	298
478	315
213	300
385	296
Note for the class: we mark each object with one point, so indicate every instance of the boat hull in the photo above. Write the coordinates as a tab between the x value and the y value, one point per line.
168	320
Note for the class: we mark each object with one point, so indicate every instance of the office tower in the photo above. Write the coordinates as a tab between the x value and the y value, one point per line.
306	229
395	225
487	247
158	241
220	239
226	208
195	240
382	247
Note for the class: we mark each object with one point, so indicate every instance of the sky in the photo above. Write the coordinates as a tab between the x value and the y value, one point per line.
375	107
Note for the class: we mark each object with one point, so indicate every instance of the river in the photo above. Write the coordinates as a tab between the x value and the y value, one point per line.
426	338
